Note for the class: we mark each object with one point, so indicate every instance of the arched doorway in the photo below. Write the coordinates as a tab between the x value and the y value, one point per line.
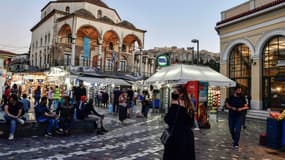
111	44
86	42
240	67
273	73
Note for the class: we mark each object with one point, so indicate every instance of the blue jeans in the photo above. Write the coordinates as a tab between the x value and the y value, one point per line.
235	126
52	123
12	122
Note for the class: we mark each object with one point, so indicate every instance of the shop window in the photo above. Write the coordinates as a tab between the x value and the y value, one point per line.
273	73
240	67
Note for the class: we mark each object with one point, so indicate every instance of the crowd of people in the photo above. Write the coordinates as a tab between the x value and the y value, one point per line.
58	111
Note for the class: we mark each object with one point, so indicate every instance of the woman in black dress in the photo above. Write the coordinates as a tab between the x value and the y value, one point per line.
180	119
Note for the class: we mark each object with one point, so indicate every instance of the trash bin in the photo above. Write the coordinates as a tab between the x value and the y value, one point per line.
273	133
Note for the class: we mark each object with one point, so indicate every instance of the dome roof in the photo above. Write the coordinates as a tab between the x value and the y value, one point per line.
84	13
96	2
127	24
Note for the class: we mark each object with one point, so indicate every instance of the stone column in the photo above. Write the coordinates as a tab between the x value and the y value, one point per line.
119	57
99	63
141	65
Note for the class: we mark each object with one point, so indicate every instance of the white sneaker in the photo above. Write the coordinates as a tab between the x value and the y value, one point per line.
11	137
20	121
196	129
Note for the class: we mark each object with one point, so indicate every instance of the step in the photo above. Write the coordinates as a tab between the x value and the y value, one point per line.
257	114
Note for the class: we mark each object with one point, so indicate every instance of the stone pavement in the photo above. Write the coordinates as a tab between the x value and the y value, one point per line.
138	138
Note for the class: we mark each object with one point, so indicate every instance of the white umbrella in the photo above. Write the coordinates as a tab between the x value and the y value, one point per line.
181	73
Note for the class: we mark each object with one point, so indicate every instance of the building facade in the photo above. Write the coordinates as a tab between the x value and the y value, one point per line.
252	41
86	33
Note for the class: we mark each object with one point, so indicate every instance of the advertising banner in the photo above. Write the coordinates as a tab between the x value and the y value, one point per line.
203	101
86	47
192	89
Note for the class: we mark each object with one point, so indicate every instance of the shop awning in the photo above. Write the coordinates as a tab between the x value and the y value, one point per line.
117	82
181	73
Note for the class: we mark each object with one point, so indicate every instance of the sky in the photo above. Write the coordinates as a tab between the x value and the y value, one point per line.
167	22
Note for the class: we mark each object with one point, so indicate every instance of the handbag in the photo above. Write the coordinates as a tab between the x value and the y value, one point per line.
167	132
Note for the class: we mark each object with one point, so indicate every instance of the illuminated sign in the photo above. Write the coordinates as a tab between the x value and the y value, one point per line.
162	60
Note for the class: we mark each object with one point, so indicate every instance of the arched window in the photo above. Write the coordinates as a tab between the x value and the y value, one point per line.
45	60
45	39
273	58
36	59
36	44
40	59
32	60
41	42
67	9
99	14
240	67
48	37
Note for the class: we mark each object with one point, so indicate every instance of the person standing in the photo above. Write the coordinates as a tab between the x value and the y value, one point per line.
13	110
180	119
26	104
56	98
236	104
14	89
123	106
37	95
116	95
79	91
50	95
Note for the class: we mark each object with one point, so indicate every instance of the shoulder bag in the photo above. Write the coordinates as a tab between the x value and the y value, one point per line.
167	132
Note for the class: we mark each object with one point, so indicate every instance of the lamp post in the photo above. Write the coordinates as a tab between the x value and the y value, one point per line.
198	56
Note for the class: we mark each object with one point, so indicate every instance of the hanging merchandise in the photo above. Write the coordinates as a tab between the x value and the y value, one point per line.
214	98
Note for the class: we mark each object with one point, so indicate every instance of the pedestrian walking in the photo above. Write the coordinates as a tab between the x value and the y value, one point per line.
236	104
180	119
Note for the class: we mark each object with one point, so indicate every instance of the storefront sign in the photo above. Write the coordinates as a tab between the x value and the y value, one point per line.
163	60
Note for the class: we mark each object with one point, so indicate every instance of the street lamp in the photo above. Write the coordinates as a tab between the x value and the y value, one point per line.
198	56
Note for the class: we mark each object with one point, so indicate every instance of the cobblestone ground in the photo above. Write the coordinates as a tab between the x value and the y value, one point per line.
138	139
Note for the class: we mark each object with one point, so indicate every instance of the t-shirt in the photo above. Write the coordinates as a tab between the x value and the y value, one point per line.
116	93
80	91
40	111
238	102
14	109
